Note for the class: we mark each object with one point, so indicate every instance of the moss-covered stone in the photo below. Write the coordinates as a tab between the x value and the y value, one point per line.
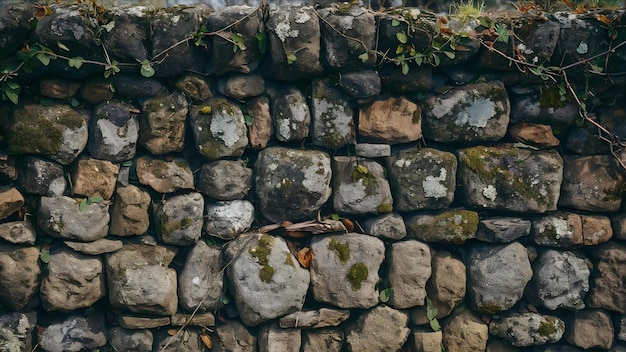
341	249
357	274
489	308
547	327
453	226
262	252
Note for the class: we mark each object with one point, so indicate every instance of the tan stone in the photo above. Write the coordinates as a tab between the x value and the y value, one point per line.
262	128
590	329
198	319
93	177
58	88
96	91
130	212
534	134
134	322
465	332
426	341
596	229
608	284
314	318
164	176
392	121
11	200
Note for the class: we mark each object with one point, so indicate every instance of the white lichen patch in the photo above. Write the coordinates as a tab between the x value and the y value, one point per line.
223	127
316	175
582	48
302	16
490	192
442	107
560	226
403	163
283	30
476	114
283	129
432	185
175	19
334	115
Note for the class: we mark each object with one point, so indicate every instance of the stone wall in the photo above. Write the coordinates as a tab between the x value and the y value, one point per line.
283	179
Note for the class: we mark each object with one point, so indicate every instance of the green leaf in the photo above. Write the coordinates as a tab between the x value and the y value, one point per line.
62	46
75	62
596	68
12	94
363	57
291	58
431	313
435	60
395	23
434	324
43	58
74	102
96	199
450	54
146	68
262	38
503	33
84	204
402	37
335	217
44	256
45	101
385	294
249	119
405	68
225	299
127	163
237	37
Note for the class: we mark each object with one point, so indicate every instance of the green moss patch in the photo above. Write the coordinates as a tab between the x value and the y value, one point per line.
546	327
341	249
39	136
357	274
262	252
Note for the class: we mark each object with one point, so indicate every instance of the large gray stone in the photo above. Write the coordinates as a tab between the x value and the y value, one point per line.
130	340
113	132
379	329
18	232
409	269
291	115
127	39
74	334
292	184
40	176
162	123
497	276
344	269
201	280
19	275
224	179
61	217
388	226
274	338
528	329
178	220
265	279
333	126
360	186
226	220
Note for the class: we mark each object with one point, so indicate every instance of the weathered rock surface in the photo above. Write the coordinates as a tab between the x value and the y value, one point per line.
130	340
178	220
292	184
560	279
333	126
93	177
113	132
291	115
422	178
265	279
162	123
128	321
19	272
129	214
372	150
40	176
261	130
195	86
360	186
164	176
390	121
360	84
72	281
74	334
224	179
408	271
590	329
450	226
465	332
17	331
390	226
18	232
226	220
197	319
502	229
608	285
559	229
11	200
344	269
497	276
241	86
528	329
322	340
233	336
201	281
536	135
274	338
187	340
510	178
379	329
61	217
140	281
97	247
321	318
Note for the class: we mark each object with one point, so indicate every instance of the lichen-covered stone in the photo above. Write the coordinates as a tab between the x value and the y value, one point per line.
17	331
178	220
201	280
224	179
559	229
113	132
360	186
450	226
344	269
56	131
333	126
40	176
219	129
62	217
94	177
291	115
130	340
471	113
265	279
422	178
129	214
391	121
162	123
408	271
528	329
379	329
227	219
19	275
372	150
164	176
389	226
292	184
74	334
497	276
508	178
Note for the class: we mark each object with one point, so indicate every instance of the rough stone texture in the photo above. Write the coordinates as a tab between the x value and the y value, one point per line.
450	226
11	200
219	129
224	179
164	176
360	186
621	328
197	319
40	176
608	285
536	135
291	115
74	334
178	220
502	229
591	183
322	340
528	329
56	131
130	340
129	214
560	279
17	331
590	328
274	338
262	128
379	329
187	340
201	280
497	276
142	87
513	179
126	40
559	229
422	178
97	247
226	220
426	341
140	281
142	322
96	91
18	232
19	272
390	121
618	223
72	281
196	87
465	332
162	123
232	336
360	84
344	269
471	113
113	132
292	184
93	177
265	279
241	86
446	287
61	217
57	88
370	150
408	271
315	319
333	126
388	226
596	229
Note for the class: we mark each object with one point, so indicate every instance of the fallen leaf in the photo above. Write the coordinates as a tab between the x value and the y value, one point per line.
206	340
532	308
348	224
305	255
172	332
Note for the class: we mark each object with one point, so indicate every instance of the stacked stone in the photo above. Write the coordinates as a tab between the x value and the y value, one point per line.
152	214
